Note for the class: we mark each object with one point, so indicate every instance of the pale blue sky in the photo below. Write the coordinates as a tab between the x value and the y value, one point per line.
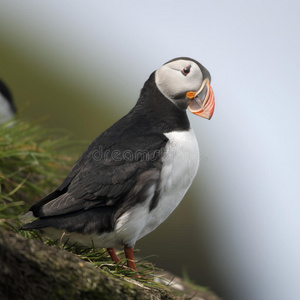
250	148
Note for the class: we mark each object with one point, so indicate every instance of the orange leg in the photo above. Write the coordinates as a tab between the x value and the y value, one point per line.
113	255
129	257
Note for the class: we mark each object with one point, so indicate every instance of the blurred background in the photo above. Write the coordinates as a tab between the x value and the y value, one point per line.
81	65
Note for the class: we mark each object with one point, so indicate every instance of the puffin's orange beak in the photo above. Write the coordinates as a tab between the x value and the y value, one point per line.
202	101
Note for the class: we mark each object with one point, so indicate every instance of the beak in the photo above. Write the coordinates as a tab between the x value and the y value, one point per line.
202	101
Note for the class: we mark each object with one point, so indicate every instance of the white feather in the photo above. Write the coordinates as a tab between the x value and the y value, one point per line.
180	165
6	112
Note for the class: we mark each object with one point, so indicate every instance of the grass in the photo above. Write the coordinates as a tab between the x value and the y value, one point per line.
29	165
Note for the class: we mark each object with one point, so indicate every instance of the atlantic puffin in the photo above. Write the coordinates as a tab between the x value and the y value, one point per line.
7	106
134	174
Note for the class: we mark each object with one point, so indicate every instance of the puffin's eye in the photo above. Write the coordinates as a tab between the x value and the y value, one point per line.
186	70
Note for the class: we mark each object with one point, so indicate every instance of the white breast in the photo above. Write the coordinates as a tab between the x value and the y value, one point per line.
180	165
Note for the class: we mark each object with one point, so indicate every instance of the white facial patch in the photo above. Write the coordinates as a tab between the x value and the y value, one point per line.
172	82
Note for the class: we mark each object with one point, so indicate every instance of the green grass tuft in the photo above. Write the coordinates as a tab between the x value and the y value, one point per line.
30	165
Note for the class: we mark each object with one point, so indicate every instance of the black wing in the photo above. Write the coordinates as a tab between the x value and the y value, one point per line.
108	176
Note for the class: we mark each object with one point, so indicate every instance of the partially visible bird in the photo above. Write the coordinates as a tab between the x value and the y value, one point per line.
134	174
7	107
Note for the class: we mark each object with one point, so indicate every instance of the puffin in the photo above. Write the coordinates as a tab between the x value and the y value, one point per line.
7	106
135	173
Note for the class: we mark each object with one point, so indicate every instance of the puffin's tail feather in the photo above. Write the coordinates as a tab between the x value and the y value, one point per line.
95	220
38	224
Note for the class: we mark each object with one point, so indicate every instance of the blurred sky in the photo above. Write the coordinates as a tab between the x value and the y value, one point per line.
249	173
